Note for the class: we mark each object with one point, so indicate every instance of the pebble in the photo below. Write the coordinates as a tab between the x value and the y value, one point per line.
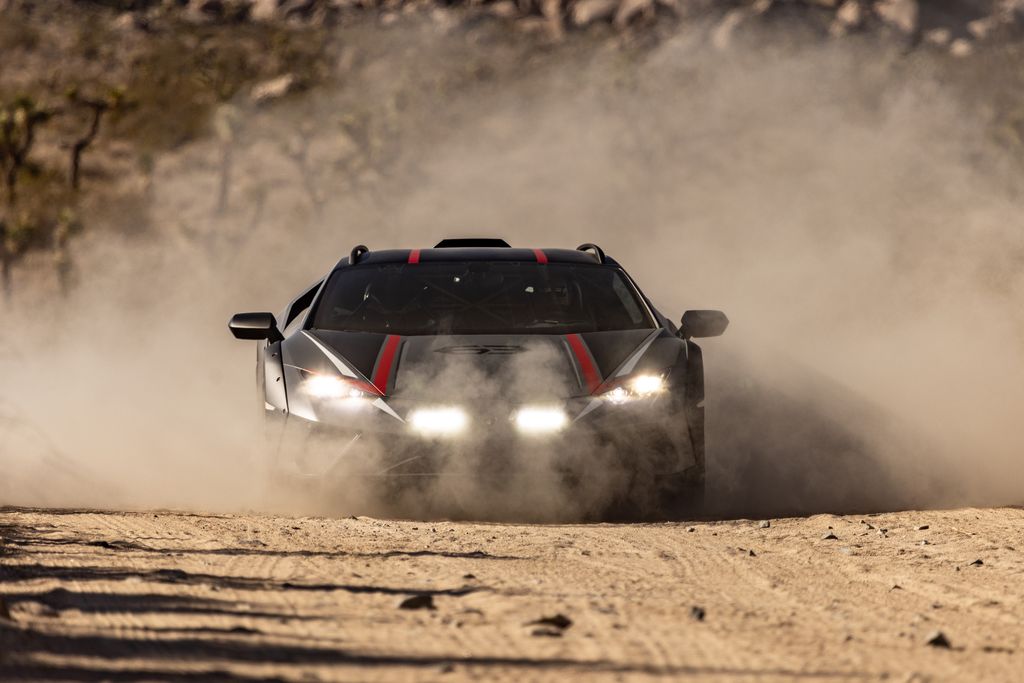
423	601
937	639
559	621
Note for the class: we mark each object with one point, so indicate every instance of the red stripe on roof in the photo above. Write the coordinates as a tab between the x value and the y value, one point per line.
384	363
541	256
587	366
414	256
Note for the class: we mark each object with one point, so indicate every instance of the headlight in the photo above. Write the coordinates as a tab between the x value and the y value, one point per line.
632	388
539	420
438	421
328	387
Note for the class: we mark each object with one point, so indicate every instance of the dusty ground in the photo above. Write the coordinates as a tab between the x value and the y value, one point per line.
165	595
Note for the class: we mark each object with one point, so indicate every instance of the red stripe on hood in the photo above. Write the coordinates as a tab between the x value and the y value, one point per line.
414	256
541	256
384	363
587	366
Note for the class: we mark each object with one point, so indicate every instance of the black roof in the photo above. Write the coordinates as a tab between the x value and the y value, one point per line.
456	254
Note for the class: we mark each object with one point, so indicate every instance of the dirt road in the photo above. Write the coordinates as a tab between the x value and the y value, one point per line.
161	596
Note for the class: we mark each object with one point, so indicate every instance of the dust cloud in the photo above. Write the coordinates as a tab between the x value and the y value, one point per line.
841	202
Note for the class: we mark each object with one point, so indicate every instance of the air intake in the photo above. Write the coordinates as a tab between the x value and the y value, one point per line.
472	242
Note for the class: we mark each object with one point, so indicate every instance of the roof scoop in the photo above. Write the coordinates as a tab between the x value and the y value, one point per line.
460	242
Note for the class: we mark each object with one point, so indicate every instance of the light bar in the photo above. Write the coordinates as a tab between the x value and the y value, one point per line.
438	421
540	420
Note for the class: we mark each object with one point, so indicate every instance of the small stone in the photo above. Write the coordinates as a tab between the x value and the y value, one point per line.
937	639
424	601
924	542
830	537
697	613
751	553
923	527
976	563
559	621
765	524
690	529
468	577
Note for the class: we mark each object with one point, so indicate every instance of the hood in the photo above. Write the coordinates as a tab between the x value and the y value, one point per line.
510	368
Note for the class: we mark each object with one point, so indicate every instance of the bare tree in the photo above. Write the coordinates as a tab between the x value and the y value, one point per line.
97	109
18	123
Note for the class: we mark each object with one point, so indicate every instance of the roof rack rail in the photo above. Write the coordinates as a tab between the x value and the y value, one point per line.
598	251
356	253
454	243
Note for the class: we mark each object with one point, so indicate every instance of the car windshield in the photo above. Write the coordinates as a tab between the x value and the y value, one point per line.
480	297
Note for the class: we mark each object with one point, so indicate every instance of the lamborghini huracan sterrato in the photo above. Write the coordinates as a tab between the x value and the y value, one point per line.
426	354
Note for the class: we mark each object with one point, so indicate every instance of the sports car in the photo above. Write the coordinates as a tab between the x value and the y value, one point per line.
473	357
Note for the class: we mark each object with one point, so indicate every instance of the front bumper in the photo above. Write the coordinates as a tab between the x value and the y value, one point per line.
377	444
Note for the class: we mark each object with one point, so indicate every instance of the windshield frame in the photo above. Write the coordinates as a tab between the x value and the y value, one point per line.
652	320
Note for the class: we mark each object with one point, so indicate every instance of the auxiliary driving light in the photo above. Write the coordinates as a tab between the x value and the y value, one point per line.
438	421
535	420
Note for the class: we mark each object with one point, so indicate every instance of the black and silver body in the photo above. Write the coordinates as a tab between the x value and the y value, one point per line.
443	362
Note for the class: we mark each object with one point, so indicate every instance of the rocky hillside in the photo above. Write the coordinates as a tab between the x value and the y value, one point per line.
93	95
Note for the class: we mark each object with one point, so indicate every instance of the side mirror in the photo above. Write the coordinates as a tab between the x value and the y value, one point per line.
703	324
255	326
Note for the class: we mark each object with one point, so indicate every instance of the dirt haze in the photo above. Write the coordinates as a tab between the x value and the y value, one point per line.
843	203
